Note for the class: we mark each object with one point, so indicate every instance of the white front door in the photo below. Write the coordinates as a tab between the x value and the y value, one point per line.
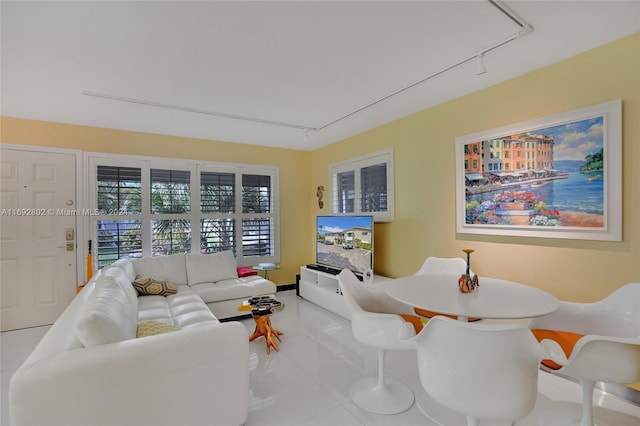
38	273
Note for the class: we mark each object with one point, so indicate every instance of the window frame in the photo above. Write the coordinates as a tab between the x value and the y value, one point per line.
92	160
355	165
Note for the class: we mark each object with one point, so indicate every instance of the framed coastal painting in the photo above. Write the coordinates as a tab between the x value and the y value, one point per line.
554	177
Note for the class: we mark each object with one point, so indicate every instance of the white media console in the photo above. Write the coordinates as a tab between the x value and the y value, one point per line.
322	288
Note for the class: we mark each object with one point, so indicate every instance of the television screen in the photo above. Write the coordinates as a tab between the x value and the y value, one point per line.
345	242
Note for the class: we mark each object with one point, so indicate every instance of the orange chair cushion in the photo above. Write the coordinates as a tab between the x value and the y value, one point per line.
565	339
414	320
431	314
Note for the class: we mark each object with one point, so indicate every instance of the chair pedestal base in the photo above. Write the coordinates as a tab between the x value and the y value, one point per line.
391	398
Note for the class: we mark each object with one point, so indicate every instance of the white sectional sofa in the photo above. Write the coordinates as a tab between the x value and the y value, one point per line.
213	277
92	369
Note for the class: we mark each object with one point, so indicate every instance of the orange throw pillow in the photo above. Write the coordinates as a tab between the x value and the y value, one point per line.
565	339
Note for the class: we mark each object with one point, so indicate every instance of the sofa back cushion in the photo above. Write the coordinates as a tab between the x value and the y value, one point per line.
168	268
120	273
108	315
207	268
127	267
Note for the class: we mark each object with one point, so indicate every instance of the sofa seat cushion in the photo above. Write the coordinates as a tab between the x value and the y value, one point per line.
237	288
183	309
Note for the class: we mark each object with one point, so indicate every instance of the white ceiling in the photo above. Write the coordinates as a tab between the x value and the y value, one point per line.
191	68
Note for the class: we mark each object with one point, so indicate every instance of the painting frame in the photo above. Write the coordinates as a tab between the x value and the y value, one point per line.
486	215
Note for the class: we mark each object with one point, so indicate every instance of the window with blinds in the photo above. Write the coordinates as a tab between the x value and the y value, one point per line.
118	226
256	194
118	189
256	236
217	192
345	187
218	204
373	184
217	235
256	215
170	191
364	185
117	239
170	236
153	211
170	205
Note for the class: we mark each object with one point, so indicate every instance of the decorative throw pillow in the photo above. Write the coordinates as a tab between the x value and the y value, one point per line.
243	271
149	286
151	328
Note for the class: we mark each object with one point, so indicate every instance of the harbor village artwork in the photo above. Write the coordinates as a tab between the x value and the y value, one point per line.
556	177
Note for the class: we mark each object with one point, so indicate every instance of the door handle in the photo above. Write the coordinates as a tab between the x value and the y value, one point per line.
69	247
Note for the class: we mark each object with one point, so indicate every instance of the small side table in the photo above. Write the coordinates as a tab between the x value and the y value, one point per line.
266	267
261	309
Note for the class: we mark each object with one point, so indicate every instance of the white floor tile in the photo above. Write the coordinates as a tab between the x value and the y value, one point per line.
338	416
286	397
334	374
413	416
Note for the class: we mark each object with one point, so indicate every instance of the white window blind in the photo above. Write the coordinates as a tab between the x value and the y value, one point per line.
364	185
150	207
118	200
170	205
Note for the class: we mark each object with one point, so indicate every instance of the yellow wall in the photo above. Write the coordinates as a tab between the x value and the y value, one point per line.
423	146
294	166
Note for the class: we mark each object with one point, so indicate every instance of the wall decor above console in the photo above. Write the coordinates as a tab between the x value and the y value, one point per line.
554	177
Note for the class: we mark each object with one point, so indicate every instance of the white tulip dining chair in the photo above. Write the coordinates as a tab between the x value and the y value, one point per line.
594	342
482	371
373	326
441	266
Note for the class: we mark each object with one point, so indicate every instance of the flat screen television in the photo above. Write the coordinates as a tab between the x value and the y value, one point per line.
344	242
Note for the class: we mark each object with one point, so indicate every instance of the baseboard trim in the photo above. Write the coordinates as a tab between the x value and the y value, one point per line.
287	287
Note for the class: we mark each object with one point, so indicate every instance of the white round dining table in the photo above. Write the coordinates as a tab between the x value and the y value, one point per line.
493	298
